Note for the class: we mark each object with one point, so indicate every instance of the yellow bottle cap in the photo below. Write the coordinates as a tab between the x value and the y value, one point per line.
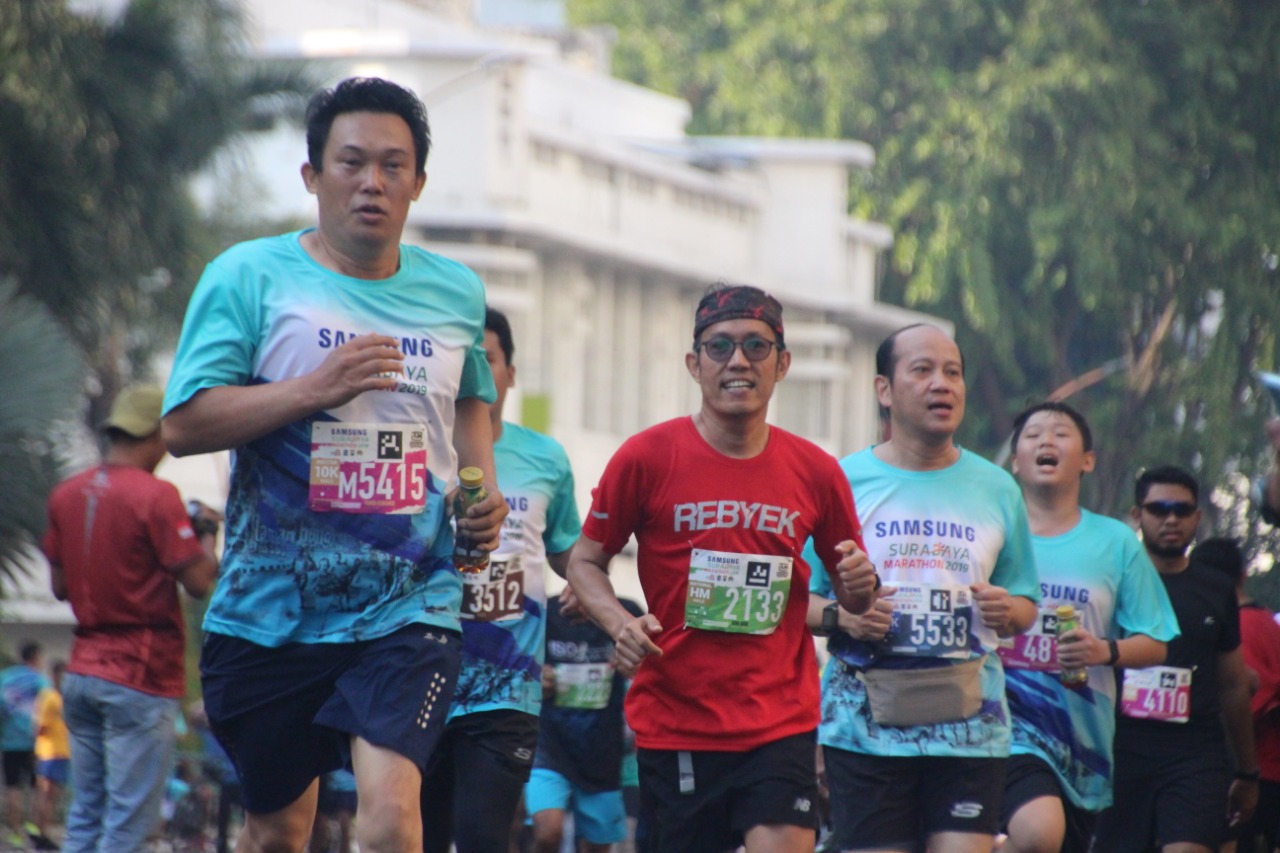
471	478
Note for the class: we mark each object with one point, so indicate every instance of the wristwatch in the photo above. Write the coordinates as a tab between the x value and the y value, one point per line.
831	618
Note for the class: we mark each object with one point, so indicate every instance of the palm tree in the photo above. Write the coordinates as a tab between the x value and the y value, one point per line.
41	382
102	125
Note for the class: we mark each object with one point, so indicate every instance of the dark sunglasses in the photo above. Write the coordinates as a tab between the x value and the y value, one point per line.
721	349
1164	509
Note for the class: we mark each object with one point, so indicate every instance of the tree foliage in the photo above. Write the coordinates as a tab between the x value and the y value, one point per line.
40	380
1077	184
102	124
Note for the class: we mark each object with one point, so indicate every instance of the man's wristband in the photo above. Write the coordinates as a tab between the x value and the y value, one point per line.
1252	776
1115	652
831	618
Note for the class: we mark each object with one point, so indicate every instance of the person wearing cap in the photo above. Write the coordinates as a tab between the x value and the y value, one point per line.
915	729
120	543
1186	768
347	371
724	701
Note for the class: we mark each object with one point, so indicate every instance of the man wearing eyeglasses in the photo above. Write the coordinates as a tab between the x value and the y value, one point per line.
1173	780
725	698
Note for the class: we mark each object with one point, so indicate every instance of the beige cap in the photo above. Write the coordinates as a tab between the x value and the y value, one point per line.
136	410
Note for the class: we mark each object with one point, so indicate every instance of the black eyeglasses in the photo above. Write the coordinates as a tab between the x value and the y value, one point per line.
1164	509
721	349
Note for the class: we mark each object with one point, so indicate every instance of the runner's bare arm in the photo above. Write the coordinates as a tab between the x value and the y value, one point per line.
1081	648
1234	695
588	575
559	563
1004	613
233	415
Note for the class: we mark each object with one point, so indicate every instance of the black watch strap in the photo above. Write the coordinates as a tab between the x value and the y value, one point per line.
831	618
1115	652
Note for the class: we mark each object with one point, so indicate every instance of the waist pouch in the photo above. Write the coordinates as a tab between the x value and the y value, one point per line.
924	697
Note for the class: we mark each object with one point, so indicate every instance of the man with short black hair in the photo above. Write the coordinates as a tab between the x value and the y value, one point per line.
1173	783
471	788
725	697
347	372
1060	771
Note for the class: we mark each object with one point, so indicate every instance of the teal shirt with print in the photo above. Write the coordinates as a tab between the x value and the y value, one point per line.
265	311
931	535
502	659
1100	568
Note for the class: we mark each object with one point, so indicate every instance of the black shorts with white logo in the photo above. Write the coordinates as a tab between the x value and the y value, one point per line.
897	803
705	802
472	784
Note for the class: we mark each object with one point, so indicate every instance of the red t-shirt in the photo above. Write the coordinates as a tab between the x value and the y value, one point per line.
1260	647
119	535
711	690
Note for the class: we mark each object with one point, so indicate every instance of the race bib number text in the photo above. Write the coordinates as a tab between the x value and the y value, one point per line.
368	468
583	685
931	621
1035	650
495	592
737	593
1157	693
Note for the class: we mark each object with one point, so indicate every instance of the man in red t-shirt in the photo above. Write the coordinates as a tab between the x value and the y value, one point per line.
119	544
725	698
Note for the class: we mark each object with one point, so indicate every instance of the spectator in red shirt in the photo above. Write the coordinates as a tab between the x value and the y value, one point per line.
120	543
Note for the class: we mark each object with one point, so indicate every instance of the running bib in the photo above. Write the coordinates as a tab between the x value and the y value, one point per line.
736	593
1157	693
368	468
583	685
1035	650
931	621
495	592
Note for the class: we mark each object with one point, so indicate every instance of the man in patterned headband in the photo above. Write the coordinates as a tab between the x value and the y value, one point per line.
731	303
725	697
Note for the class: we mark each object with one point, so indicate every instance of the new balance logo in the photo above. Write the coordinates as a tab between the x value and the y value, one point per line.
802	804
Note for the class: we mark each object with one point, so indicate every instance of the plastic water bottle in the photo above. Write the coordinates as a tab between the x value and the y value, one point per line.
1068	621
467	557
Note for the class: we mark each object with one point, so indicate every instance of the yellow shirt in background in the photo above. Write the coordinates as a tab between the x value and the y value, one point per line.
52	738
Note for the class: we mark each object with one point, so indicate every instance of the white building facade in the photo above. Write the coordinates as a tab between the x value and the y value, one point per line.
594	220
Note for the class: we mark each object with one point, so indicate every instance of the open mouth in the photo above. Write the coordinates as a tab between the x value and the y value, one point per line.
1047	460
737	385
